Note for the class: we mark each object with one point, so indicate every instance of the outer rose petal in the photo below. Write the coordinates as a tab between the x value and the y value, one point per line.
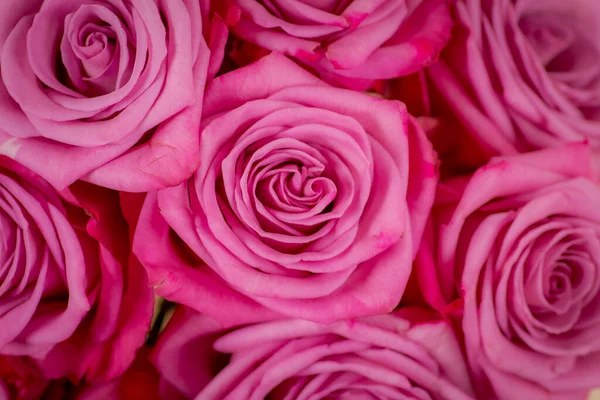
225	93
194	370
204	372
422	181
366	41
105	344
28	330
179	276
170	155
417	44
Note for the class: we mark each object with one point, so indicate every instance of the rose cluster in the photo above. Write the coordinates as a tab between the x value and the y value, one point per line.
299	199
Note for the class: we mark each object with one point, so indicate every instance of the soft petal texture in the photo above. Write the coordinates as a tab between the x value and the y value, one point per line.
72	296
45	265
404	355
523	75
348	42
310	202
514	252
83	81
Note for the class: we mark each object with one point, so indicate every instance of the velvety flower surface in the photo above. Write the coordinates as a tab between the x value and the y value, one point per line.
403	355
71	295
519	245
524	75
310	201
348	41
82	81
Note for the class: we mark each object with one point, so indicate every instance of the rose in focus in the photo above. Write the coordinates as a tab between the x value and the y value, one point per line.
523	75
310	201
83	81
350	42
516	248
71	295
406	354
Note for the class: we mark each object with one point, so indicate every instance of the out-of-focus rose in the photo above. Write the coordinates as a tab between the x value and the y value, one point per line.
71	295
310	201
349	42
406	354
82	81
140	381
20	379
516	250
524	75
458	152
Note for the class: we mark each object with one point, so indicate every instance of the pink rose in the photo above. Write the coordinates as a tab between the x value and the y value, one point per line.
348	41
71	294
310	201
406	354
518	243
524	75
83	81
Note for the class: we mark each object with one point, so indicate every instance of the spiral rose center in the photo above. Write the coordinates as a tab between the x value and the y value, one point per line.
566	52
558	269
559	284
95	53
549	38
295	188
292	192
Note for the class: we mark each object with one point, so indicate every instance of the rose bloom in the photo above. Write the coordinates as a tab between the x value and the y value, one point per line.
404	355
71	295
348	41
516	249
310	201
83	81
524	75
